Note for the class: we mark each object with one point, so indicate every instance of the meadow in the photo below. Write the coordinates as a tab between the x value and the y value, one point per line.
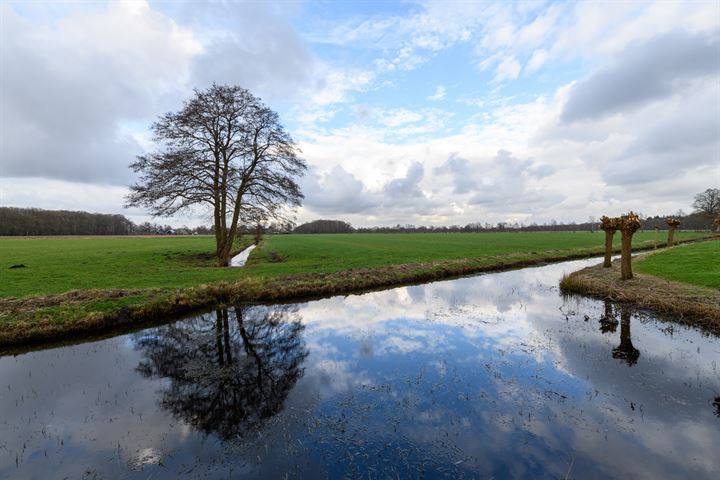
60	264
698	264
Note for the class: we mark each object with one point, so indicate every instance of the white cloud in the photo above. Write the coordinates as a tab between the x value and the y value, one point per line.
438	95
395	118
538	59
507	69
69	88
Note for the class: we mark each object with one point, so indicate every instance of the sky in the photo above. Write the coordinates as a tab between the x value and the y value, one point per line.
425	113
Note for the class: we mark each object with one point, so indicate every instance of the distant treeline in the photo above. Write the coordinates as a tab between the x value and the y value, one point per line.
34	221
694	221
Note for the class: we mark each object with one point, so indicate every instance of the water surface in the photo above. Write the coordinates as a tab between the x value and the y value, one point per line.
489	376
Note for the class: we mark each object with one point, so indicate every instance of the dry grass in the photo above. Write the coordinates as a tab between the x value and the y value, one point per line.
682	302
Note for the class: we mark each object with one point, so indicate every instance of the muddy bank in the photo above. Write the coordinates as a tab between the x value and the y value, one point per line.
686	303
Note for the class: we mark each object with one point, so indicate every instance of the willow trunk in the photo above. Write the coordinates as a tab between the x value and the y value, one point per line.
671	236
626	256
608	248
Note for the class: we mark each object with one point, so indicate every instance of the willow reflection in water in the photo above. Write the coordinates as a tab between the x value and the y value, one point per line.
228	375
626	351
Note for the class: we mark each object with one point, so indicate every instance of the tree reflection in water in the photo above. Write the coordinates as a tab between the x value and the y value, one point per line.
608	322
626	350
229	370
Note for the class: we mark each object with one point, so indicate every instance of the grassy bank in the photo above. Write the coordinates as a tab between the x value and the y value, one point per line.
686	286
121	281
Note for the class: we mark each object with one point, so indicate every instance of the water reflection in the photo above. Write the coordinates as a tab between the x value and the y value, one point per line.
626	350
608	322
228	371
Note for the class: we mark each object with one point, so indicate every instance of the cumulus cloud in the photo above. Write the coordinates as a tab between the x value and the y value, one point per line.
500	182
643	73
649	116
71	91
277	69
462	172
82	89
406	188
337	191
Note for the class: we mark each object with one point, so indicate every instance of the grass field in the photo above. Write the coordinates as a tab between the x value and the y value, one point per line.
61	264
698	264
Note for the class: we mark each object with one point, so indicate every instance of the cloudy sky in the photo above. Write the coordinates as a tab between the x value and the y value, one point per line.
430	113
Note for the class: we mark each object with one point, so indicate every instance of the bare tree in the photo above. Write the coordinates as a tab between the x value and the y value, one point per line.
227	150
707	203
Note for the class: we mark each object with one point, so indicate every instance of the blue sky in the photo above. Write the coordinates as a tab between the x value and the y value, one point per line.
407	112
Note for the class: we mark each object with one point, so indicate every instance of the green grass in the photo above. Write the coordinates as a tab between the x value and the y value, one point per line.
698	264
61	264
326	253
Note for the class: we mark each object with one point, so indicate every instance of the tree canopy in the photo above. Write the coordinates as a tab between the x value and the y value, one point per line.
708	202
324	226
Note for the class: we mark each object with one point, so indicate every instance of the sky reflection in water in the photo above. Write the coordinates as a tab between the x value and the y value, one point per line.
494	375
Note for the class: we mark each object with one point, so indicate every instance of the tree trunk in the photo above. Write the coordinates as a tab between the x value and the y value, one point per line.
671	236
608	248
626	256
220	251
225	251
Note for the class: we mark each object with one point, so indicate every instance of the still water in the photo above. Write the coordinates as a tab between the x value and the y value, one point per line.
240	259
490	376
